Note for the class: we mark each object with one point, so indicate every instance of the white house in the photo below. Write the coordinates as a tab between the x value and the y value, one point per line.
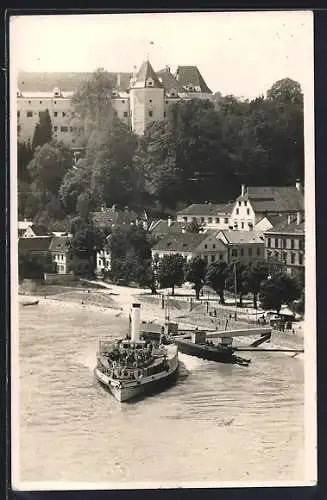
209	215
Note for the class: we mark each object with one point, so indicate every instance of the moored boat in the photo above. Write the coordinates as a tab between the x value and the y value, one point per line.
132	367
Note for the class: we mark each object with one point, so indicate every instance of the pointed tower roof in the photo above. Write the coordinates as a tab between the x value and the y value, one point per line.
190	76
169	82
146	77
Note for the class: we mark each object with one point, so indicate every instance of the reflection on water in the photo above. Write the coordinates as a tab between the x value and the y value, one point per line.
219	422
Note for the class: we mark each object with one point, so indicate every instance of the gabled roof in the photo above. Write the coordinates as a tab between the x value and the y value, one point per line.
169	82
144	73
60	244
207	209
37	244
274	198
113	216
242	237
190	75
39	230
30	81
184	242
160	227
285	228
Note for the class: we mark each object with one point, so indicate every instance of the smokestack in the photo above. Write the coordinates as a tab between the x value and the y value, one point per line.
135	322
289	219
169	221
242	190
298	218
298	185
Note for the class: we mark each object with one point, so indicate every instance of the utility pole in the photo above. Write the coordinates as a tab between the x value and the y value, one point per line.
235	290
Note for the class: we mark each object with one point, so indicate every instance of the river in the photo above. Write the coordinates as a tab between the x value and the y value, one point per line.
219	423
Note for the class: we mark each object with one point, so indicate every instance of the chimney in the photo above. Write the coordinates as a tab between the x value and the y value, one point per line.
298	218
135	317
169	221
298	185
242	190
289	219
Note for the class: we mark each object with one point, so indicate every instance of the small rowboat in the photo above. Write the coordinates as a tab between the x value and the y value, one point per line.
34	303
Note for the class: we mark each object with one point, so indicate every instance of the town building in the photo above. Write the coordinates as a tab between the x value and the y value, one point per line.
61	254
110	217
161	227
208	215
257	202
138	98
244	247
285	246
103	260
191	245
34	230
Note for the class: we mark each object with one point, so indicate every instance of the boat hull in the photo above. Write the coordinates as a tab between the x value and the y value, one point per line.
204	351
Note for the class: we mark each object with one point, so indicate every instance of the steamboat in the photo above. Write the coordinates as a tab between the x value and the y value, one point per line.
132	367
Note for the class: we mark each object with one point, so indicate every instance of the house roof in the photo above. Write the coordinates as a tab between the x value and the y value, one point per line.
183	242
113	216
169	82
274	198
206	209
190	75
242	237
286	228
160	227
30	81
24	224
273	219
39	230
37	244
60	244
145	72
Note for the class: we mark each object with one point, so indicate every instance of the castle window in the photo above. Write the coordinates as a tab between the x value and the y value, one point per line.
55	129
150	113
245	203
205	246
18	114
125	114
239	203
64	129
29	114
40	102
63	113
213	246
149	82
55	113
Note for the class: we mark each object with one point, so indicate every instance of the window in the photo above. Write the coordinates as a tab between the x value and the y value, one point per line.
70	129
150	100
225	220
213	258
164	114
268	242
217	220
242	252
18	129
284	256
123	101
63	114
209	220
221	256
242	225
300	259
237	211
202	220
284	243
248	211
205	246
234	253
55	128
235	225
301	244
18	114
239	203
29	114
250	252
55	113
29	102
276	242
115	113
40	102
150	112
125	114
245	203
64	129
214	246
292	244
73	141
292	258
185	219
258	251
54	102
40	113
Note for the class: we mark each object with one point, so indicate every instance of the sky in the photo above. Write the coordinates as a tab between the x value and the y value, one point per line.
237	53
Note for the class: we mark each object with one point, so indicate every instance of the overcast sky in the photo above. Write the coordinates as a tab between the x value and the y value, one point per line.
237	53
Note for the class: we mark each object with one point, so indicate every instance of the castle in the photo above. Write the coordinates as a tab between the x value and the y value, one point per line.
138	98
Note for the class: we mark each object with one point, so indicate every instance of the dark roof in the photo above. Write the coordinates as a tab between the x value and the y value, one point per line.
161	227
246	237
275	199
286	228
190	75
39	230
184	242
146	71
21	232
112	216
60	244
206	209
169	82
31	81
37	244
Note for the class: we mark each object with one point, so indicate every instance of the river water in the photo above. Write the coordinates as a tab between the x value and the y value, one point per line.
219	423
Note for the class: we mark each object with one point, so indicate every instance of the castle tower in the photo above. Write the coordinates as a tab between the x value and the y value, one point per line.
147	102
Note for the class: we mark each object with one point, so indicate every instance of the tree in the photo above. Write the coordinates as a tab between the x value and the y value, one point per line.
216	277
237	281
92	101
86	242
285	92
24	156
253	276
193	227
195	272
170	271
75	182
43	130
34	266
277	290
